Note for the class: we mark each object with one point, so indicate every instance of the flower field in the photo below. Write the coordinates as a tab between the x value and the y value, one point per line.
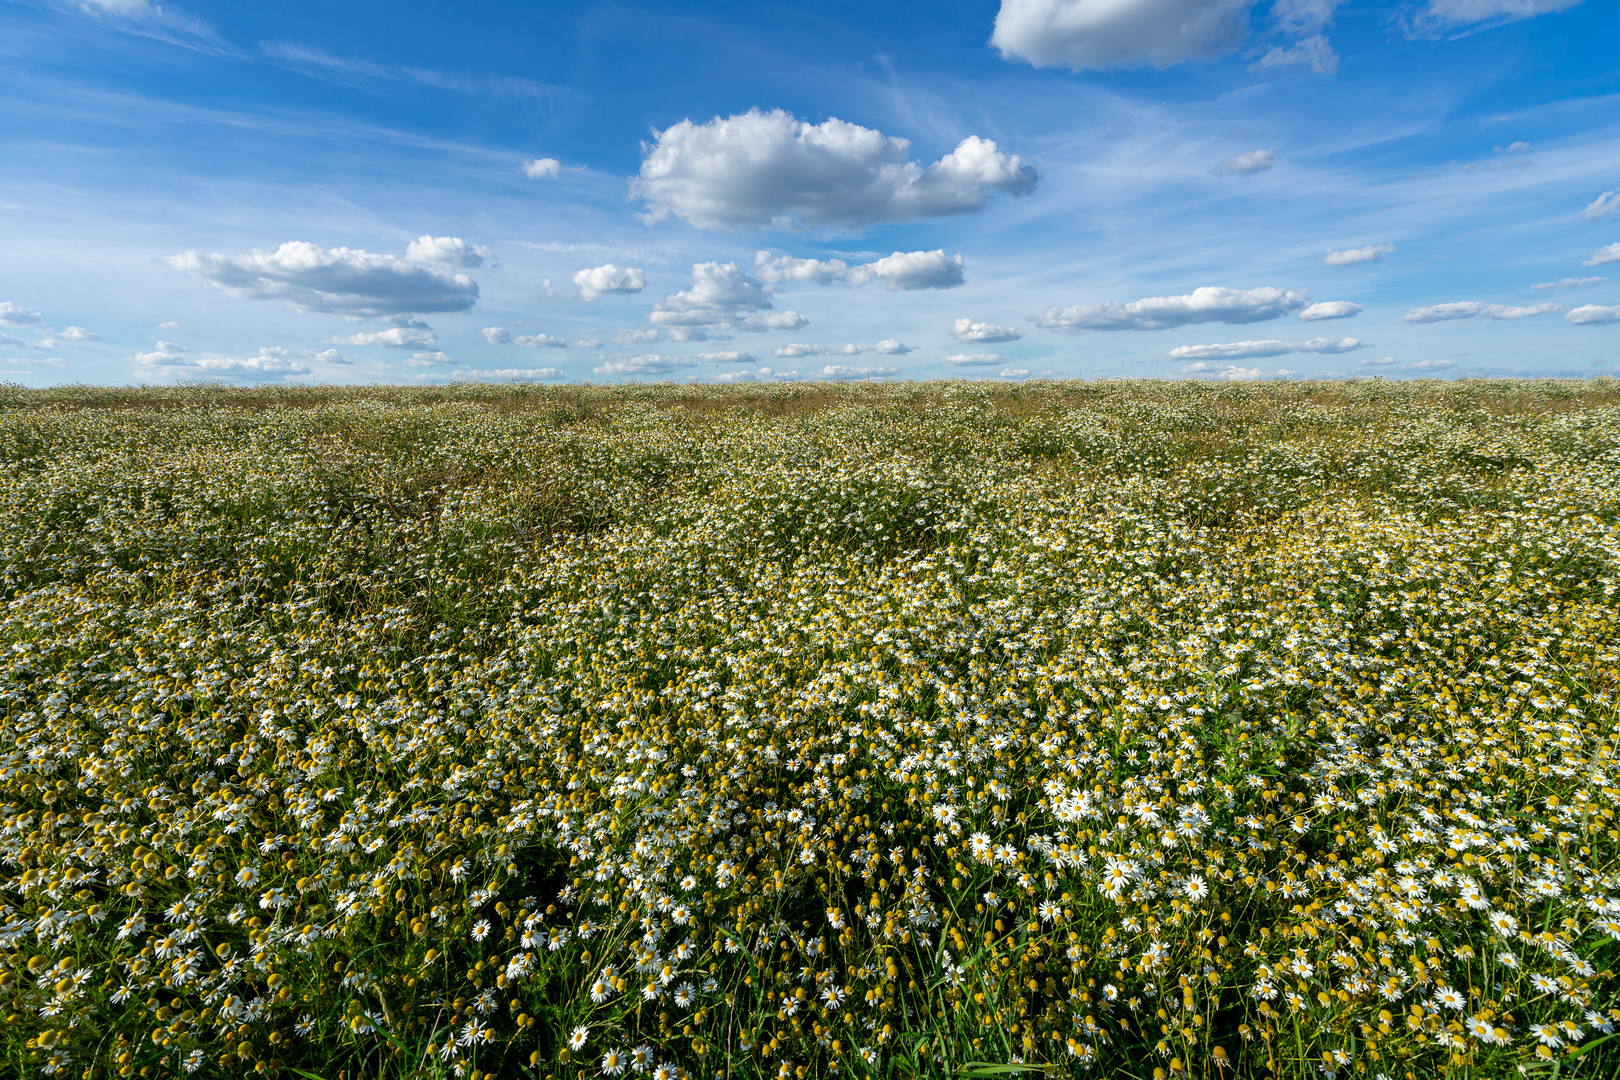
1111	729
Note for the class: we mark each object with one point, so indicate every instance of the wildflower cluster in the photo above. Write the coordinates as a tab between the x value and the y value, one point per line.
676	732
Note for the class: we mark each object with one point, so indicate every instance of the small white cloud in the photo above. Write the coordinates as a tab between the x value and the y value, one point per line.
172	324
649	364
446	251
840	372
1607	254
1518	146
342	280
776	269
542	168
17	315
1594	315
760	169
1432	365
1095	35
396	337
1329	309
1230	372
10	342
1247	164
332	356
1242	350
1383	361
271	362
542	374
587	343
1570	283
496	335
917	270
1603	204
902	270
595	281
969	332
78	333
539	341
973	360
431	358
1351	256
730	356
1474	309
773	320
1013	373
1207	304
891	347
1314	51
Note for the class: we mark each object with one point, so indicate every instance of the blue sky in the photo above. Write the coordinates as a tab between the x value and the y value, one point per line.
399	192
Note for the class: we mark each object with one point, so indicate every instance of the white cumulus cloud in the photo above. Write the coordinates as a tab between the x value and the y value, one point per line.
1351	256
496	335
1243	350
343	280
760	169
969	332
1594	315
1607	254
901	270
1432	365
395	337
1207	304
539	341
1231	372
1475	309
729	356
446	251
430	358
542	168
78	333
1247	164
841	371
17	315
595	281
891	347
918	270
648	364
1329	309
540	374
271	362
1100	34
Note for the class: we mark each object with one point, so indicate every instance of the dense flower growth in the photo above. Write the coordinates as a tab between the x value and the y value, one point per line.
1122	729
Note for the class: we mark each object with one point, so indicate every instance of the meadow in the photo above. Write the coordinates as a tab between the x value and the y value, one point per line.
1136	729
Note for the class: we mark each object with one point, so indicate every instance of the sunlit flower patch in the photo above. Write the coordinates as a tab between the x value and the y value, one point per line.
681	732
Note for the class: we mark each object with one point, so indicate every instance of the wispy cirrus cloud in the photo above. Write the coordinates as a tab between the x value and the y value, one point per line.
1475	309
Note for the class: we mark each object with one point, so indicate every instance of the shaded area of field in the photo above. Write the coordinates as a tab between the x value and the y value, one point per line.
892	730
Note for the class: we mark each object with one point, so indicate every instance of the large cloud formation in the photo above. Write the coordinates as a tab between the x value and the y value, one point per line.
597	281
347	281
906	270
1207	304
759	169
1099	34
